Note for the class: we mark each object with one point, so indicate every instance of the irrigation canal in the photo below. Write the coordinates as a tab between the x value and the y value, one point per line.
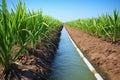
67	64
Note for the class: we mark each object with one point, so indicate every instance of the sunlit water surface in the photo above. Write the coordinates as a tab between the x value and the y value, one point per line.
67	64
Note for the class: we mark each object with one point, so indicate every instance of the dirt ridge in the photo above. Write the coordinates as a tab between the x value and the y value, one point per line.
103	54
36	61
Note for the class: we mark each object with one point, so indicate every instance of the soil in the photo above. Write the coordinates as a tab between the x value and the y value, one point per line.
104	55
35	62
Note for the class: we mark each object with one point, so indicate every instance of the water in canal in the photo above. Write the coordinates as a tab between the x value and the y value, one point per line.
67	64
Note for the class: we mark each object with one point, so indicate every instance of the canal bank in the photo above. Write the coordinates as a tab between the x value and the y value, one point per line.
67	64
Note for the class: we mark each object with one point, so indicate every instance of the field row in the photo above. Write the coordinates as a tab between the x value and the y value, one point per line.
23	28
106	26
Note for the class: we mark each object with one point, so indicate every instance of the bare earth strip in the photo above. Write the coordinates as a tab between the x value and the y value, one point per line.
104	55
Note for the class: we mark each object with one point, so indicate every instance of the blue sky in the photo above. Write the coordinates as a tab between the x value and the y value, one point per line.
67	10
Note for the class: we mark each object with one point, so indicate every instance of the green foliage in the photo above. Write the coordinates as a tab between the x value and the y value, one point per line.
22	28
106	26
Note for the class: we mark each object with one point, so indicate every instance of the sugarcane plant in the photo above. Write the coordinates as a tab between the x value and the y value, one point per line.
9	31
23	29
106	26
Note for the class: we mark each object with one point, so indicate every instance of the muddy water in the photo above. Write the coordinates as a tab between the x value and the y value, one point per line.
67	64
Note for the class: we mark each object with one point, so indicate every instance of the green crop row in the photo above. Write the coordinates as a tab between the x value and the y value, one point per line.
22	28
106	26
